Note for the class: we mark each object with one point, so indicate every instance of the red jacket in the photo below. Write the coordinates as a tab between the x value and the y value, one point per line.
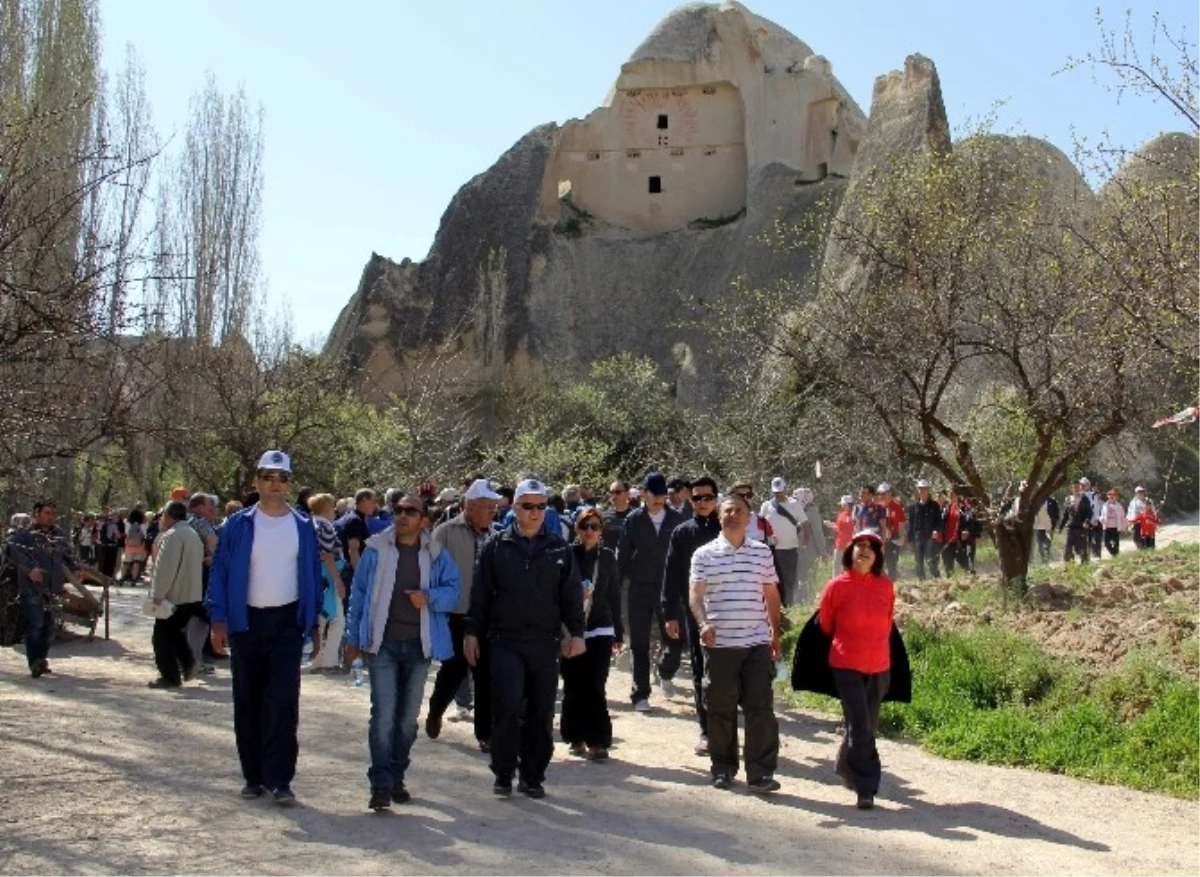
856	611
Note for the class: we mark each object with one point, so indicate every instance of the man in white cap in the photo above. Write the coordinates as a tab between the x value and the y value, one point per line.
792	535
464	537
264	594
1137	505
924	521
526	590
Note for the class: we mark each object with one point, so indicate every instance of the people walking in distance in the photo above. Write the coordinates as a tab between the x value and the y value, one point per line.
642	556
355	529
679	496
870	514
42	555
893	547
1137	506
1148	522
332	619
526	589
734	597
924	522
404	587
178	581
703	527
1095	528
1077	517
951	530
133	561
264	593
110	542
585	723
843	527
856	612
202	517
792	535
1112	519
463	538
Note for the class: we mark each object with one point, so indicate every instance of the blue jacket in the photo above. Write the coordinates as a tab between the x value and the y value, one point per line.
371	595
229	579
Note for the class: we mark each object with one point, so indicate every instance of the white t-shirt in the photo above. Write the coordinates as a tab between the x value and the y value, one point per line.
274	561
734	579
657	520
787	537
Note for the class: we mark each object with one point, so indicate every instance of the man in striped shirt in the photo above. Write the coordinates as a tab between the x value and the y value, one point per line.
734	597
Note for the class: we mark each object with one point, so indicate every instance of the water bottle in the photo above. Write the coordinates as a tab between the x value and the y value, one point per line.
357	672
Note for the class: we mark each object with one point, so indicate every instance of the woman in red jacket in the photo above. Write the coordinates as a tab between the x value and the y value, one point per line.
856	612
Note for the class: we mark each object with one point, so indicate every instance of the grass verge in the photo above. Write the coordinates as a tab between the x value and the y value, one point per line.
988	695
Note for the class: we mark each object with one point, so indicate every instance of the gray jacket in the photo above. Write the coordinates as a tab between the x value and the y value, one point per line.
457	536
179	566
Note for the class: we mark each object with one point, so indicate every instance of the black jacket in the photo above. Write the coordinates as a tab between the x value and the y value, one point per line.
643	551
614	525
811	671
600	565
685	539
525	589
924	519
1079	513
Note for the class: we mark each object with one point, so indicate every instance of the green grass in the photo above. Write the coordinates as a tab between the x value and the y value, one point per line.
988	695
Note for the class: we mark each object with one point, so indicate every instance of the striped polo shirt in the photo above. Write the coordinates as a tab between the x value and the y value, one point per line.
734	579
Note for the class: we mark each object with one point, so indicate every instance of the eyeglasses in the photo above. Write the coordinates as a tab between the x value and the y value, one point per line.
409	511
742	494
589	526
533	506
280	477
617	490
703	497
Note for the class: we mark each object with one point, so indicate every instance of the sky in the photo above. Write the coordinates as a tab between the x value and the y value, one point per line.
377	111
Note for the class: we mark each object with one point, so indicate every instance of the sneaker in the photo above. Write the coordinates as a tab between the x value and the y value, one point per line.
250	791
865	802
380	800
400	794
502	787
722	781
642	706
41	668
531	790
702	746
598	753
764	785
433	726
667	686
284	796
578	749
161	683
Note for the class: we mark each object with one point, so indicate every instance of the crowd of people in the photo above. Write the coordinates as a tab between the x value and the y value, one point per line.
514	590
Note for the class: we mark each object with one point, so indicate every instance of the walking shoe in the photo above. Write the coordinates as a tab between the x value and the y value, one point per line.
764	785
578	749
41	668
702	746
284	796
598	753
667	687
531	790
485	746
865	802
722	781
642	706
400	794
502	787
380	800
433	726
191	673
250	791
161	683
461	714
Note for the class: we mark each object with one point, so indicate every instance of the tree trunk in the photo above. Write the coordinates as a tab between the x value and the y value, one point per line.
1014	539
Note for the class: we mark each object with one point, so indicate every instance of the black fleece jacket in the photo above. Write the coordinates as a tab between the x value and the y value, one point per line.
685	539
600	565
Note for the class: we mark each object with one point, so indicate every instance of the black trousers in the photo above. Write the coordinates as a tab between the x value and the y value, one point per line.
172	653
891	559
1076	545
742	677
644	605
692	632
524	683
858	757
1096	540
1112	540
108	559
1043	543
926	550
585	717
451	674
266	695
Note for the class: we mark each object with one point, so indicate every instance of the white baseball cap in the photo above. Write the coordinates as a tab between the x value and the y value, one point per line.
480	489
847	499
276	460
884	488
448	494
778	485
1139	489
922	483
530	487
1085	482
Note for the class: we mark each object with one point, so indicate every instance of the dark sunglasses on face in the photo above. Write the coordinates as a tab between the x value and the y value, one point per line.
617	490
408	511
594	525
533	506
742	494
281	477
703	497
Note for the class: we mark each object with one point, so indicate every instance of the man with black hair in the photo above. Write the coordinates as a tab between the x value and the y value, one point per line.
42	556
177	580
679	493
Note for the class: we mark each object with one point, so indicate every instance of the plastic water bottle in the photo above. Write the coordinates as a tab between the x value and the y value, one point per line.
357	672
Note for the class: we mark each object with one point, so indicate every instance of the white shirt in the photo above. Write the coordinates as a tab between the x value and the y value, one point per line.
658	519
274	561
787	537
734	579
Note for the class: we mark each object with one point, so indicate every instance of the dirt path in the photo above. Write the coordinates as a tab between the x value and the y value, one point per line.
101	775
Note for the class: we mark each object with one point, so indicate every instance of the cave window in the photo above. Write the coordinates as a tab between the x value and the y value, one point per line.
656	185
662	121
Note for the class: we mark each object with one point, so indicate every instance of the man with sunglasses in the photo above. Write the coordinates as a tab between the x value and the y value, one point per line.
526	589
403	589
264	593
615	515
703	527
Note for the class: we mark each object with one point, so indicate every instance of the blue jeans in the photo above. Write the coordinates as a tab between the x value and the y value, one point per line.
39	626
397	688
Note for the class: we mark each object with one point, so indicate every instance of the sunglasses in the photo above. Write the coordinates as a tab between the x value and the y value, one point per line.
280	477
703	497
742	495
533	506
618	490
408	511
589	526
